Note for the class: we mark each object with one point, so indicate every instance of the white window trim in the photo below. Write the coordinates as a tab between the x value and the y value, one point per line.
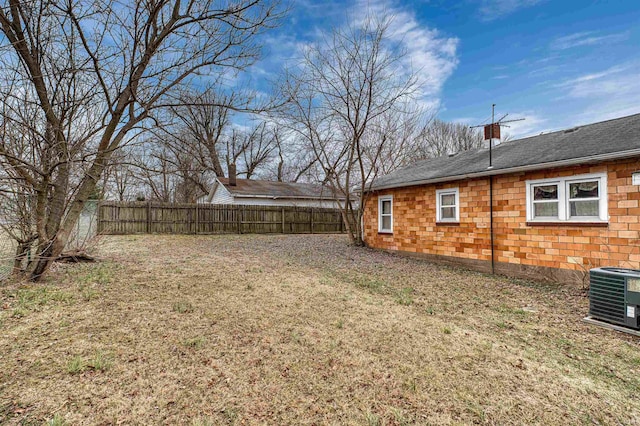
380	200
563	199
447	191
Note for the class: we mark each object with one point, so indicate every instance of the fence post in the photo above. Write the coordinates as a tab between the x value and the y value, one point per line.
98	218
282	220
197	220
148	217
311	218
238	220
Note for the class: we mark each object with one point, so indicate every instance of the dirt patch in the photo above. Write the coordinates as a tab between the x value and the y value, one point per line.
302	330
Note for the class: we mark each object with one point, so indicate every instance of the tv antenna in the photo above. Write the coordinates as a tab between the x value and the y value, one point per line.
492	130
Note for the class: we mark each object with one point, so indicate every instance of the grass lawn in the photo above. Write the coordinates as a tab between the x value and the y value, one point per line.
301	330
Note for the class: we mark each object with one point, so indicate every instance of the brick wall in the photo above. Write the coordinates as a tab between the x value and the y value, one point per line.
519	249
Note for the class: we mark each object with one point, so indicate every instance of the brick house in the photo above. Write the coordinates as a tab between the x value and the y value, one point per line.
551	206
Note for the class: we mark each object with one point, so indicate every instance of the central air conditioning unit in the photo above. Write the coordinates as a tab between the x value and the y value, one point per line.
614	296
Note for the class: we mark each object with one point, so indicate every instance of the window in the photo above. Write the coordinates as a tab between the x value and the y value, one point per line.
447	205
584	198
576	198
385	214
545	201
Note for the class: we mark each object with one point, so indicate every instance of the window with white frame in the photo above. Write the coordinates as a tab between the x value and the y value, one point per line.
385	214
447	205
580	198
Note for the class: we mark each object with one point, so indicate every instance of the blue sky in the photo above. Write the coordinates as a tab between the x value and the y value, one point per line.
558	63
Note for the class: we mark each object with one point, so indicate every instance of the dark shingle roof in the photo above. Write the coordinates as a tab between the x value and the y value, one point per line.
618	138
263	188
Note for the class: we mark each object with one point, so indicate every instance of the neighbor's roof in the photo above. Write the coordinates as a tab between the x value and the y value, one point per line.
607	140
268	189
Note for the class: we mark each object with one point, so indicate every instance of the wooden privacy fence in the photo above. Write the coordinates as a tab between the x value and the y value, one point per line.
155	218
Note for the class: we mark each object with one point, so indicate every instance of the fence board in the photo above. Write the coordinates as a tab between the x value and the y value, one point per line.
162	218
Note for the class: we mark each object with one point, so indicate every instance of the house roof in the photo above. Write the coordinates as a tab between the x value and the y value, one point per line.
267	189
607	140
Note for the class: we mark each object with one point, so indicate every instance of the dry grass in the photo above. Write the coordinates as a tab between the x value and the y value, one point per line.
302	330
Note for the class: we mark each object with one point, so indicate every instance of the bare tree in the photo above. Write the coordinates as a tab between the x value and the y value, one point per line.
15	215
176	163
203	120
439	138
250	149
162	169
296	162
155	173
506	137
401	130
203	135
118	177
341	93
82	77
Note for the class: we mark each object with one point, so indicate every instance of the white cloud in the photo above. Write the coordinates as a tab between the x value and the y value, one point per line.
491	10
471	121
530	126
583	99
601	93
608	110
429	53
619	81
587	38
611	93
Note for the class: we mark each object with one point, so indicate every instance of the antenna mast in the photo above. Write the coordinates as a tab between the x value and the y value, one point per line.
492	130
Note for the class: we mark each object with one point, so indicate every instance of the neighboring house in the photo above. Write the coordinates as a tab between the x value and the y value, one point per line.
558	203
266	193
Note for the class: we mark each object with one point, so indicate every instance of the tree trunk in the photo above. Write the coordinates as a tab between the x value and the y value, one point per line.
43	259
215	158
21	253
347	226
51	248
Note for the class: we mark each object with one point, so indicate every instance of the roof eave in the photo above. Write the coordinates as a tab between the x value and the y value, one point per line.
493	172
230	188
285	197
